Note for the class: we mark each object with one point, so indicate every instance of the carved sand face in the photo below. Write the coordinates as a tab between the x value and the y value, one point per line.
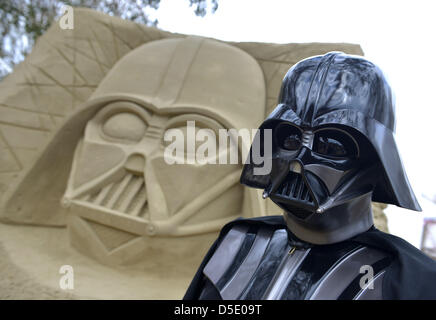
119	176
124	201
119	170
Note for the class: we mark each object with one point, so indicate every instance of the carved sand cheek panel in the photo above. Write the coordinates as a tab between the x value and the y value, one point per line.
125	202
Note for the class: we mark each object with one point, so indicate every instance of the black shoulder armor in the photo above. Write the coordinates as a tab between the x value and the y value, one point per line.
259	262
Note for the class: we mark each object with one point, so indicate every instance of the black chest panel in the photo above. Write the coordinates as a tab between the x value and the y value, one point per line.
261	263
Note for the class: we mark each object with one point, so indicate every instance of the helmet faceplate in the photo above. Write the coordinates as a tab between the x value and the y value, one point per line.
333	147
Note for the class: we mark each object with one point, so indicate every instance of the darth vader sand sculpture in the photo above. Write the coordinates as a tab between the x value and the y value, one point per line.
333	151
105	172
120	177
124	201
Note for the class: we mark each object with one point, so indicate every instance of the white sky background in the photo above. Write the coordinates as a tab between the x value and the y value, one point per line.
399	36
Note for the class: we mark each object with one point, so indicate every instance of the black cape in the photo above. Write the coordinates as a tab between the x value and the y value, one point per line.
410	276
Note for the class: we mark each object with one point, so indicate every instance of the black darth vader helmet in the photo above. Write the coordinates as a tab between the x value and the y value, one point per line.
332	140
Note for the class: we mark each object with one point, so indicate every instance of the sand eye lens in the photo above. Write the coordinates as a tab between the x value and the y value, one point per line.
126	126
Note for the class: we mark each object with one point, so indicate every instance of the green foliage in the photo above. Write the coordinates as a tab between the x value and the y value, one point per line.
23	21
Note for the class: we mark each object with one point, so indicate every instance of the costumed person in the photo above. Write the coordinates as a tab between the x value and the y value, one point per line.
332	153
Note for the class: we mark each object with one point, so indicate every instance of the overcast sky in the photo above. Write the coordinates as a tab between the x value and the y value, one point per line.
399	36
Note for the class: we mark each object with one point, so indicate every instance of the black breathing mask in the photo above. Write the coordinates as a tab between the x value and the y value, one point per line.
332	149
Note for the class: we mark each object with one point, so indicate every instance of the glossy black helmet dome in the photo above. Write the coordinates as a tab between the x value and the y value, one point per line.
345	90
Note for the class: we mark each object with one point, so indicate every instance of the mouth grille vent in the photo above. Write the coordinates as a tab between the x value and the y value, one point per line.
127	196
294	188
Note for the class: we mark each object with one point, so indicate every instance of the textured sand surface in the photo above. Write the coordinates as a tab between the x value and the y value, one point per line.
30	259
15	283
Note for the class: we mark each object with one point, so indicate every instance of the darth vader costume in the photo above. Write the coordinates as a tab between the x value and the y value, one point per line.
332	153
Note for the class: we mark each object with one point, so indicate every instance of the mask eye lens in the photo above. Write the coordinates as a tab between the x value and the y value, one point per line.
288	137
291	142
329	146
334	143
